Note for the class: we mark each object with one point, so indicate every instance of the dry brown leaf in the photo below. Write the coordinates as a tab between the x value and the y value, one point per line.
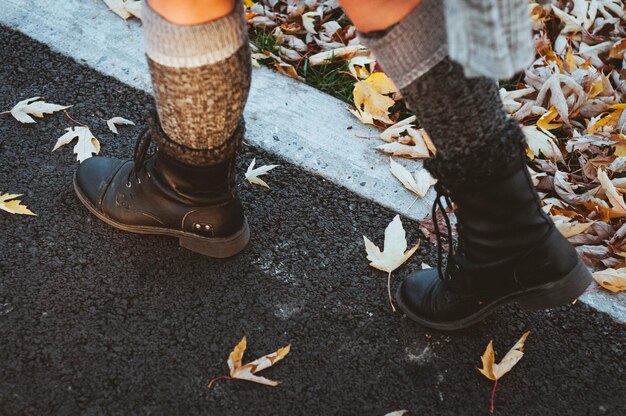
371	96
494	371
394	252
10	204
125	8
112	123
248	371
86	145
419	183
23	110
611	279
252	174
615	198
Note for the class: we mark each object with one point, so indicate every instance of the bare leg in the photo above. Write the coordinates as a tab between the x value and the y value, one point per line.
192	12
374	15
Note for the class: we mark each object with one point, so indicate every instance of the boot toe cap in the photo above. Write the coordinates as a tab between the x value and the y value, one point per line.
93	176
415	293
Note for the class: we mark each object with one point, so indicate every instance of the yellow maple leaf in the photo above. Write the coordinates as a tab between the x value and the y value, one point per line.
10	204
494	371
611	279
370	96
248	371
608	121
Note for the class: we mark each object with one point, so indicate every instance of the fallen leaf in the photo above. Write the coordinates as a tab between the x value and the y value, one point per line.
541	142
397	129
86	146
343	52
611	279
111	123
417	151
125	8
10	204
419	183
252	174
23	110
361	66
494	371
394	254
370	94
248	371
365	118
615	198
545	121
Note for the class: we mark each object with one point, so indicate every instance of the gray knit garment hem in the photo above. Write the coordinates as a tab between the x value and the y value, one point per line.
489	37
413	46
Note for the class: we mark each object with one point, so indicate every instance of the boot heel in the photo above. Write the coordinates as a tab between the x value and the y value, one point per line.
558	293
217	247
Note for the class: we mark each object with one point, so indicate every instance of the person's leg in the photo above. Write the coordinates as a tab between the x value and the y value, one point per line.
200	66
509	248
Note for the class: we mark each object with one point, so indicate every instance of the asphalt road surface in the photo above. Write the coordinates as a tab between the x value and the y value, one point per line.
97	321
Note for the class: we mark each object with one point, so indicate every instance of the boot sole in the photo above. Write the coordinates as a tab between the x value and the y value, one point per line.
210	247
561	292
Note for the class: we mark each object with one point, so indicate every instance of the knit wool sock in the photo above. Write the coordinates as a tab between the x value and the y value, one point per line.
201	79
474	137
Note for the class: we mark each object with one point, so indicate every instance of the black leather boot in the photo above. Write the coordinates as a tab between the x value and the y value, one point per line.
509	251
160	195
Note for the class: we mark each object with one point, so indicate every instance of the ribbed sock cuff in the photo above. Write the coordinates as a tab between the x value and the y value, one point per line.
488	159
195	157
413	46
181	46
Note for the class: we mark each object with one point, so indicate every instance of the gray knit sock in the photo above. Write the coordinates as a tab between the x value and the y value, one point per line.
410	48
474	136
201	78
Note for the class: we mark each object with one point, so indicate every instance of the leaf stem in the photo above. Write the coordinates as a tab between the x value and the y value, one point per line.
75	121
389	291
224	377
493	395
412	203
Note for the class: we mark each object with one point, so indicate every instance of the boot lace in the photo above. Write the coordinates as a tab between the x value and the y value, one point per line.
444	195
139	155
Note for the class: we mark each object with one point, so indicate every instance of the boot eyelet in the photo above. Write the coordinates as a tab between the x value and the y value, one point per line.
138	181
128	184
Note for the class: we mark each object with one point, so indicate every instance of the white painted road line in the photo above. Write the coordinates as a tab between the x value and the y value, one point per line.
304	126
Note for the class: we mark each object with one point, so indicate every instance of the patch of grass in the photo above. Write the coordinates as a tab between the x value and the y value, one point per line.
264	40
331	78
